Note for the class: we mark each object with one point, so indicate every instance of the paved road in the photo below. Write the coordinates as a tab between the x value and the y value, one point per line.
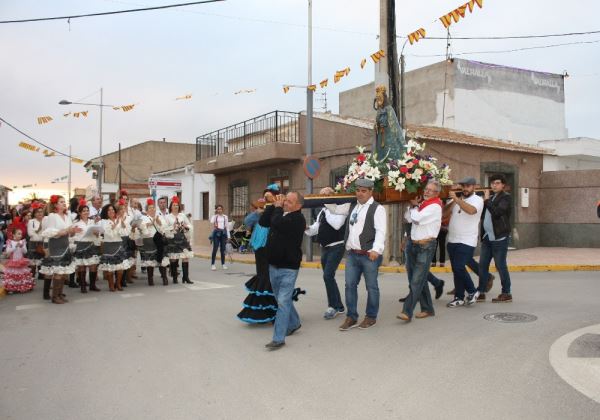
179	353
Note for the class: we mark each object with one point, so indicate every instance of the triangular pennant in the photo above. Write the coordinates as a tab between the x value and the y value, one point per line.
286	89
363	63
461	10
323	83
312	87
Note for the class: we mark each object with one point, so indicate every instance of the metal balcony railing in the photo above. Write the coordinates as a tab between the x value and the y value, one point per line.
274	127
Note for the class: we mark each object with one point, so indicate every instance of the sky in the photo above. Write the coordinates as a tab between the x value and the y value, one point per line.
212	51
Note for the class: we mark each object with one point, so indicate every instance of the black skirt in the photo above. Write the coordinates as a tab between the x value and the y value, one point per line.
178	247
86	254
260	305
60	260
149	254
113	257
34	256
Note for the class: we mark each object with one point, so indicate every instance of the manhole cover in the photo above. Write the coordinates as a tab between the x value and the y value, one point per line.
511	317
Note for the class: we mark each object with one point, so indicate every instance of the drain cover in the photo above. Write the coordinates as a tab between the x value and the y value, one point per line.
510	317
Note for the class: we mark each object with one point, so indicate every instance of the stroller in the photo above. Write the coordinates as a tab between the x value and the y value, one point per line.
240	239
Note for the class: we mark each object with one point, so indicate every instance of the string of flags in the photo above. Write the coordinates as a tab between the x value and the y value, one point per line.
46	152
460	12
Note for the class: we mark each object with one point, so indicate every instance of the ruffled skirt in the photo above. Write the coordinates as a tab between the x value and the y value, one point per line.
179	247
17	276
260	305
149	254
114	257
59	261
35	257
86	254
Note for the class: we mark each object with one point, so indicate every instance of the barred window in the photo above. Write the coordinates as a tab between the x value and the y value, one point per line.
337	175
239	199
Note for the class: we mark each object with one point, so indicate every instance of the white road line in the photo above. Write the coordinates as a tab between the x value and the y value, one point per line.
86	300
203	285
31	306
175	290
130	295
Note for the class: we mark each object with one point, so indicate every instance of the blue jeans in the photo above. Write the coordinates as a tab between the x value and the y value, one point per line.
283	281
498	251
356	265
460	255
419	258
219	240
330	260
435	282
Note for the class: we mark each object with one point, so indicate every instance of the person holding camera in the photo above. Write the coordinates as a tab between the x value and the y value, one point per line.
219	236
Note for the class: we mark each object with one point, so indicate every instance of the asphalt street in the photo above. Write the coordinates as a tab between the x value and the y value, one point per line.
179	352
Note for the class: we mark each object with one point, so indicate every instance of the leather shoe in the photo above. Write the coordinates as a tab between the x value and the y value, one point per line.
402	299
439	290
421	315
274	345
403	317
293	330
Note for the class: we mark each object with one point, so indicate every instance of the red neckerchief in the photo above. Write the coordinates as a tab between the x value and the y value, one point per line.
435	200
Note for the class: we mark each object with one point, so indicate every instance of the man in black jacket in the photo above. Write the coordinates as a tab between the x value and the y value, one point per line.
284	250
495	232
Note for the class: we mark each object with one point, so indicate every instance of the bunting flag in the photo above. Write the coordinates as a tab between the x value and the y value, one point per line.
458	13
363	63
180	98
323	83
341	73
82	113
76	160
312	87
48	153
127	108
67	114
28	146
416	35
286	89
44	120
377	56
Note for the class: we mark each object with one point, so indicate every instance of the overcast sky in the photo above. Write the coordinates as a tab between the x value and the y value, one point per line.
214	50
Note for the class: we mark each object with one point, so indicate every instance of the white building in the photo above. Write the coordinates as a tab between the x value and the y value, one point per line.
578	153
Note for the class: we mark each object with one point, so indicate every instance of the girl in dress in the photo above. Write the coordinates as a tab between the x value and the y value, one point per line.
113	258
87	248
220	235
59	264
149	251
35	246
17	274
178	230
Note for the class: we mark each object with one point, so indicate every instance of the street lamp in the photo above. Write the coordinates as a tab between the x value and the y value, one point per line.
100	105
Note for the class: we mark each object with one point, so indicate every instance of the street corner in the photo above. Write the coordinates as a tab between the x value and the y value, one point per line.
576	359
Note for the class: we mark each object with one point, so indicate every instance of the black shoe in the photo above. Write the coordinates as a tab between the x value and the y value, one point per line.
439	290
273	345
292	331
403	299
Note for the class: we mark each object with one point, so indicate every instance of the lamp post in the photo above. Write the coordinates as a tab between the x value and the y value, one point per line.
100	105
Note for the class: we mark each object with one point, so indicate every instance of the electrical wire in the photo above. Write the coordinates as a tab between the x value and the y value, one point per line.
144	9
34	140
508	51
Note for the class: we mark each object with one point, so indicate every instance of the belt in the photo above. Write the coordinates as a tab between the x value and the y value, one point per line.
423	241
359	251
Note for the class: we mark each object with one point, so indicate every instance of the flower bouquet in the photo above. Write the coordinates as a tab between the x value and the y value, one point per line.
365	165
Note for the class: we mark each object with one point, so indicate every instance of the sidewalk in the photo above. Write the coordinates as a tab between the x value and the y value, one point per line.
532	259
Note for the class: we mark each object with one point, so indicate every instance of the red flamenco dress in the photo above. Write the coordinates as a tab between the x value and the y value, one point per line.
17	273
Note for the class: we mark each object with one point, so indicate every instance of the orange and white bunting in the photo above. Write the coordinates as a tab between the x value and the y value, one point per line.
127	108
286	89
77	160
312	87
416	35
458	13
323	83
363	63
44	120
28	146
81	113
184	97
377	56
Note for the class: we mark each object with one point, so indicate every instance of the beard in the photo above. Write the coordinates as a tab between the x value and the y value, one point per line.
467	194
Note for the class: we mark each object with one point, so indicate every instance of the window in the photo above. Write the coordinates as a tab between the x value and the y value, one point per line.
337	175
205	211
239	198
283	182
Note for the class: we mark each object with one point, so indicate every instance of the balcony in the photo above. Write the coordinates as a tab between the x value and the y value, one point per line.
263	140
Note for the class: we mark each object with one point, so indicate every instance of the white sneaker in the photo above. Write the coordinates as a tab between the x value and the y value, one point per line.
472	299
224	267
213	267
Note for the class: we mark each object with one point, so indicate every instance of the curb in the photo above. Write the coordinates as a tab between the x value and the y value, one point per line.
401	269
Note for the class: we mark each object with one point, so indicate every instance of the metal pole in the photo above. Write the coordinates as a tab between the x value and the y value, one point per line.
309	120
119	166
69	192
101	169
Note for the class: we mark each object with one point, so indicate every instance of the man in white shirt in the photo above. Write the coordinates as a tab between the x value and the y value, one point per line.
330	231
463	233
365	241
426	219
96	208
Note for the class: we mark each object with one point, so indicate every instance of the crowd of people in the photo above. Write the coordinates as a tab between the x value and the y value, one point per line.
72	244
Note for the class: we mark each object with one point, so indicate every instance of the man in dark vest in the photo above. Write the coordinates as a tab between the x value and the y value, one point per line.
364	241
330	231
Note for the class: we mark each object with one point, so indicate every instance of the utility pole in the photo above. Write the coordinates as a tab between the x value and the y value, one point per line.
101	168
119	167
70	157
309	119
392	56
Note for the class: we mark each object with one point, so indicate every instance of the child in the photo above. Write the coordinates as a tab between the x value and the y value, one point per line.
17	274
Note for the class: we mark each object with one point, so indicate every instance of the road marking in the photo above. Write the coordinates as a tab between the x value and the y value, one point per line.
130	295
175	290
203	285
582	373
86	300
32	306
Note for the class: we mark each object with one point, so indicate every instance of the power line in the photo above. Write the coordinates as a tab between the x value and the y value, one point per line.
144	9
34	140
508	51
513	36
